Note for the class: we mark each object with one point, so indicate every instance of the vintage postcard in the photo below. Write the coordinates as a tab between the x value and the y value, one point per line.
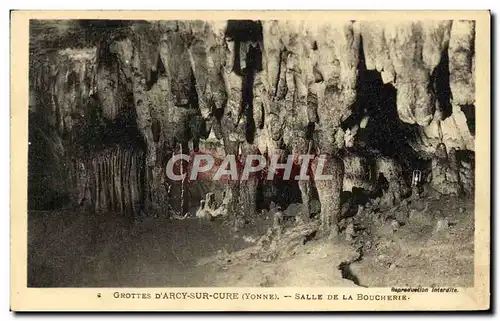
250	160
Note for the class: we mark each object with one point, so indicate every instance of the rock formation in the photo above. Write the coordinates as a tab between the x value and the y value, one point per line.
106	113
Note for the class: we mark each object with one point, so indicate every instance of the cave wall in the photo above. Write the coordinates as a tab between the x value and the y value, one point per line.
114	110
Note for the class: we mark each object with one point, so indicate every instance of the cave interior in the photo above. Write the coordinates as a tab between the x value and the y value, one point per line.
174	65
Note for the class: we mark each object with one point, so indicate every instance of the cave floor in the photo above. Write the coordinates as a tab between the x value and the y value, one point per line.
70	249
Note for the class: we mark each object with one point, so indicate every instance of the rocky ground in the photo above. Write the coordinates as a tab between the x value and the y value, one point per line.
425	241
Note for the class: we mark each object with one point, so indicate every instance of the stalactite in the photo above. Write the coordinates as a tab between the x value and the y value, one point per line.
282	88
111	180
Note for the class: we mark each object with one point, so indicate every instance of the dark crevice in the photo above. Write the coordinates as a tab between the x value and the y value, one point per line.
263	118
345	269
466	156
315	45
312	108
347	274
309	237
286	192
218	113
236	62
310	131
382	185
440	79
193	94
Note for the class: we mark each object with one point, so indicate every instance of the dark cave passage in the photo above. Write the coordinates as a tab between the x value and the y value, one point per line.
384	132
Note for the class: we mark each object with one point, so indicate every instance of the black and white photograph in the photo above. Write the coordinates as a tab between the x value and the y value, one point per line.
254	153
